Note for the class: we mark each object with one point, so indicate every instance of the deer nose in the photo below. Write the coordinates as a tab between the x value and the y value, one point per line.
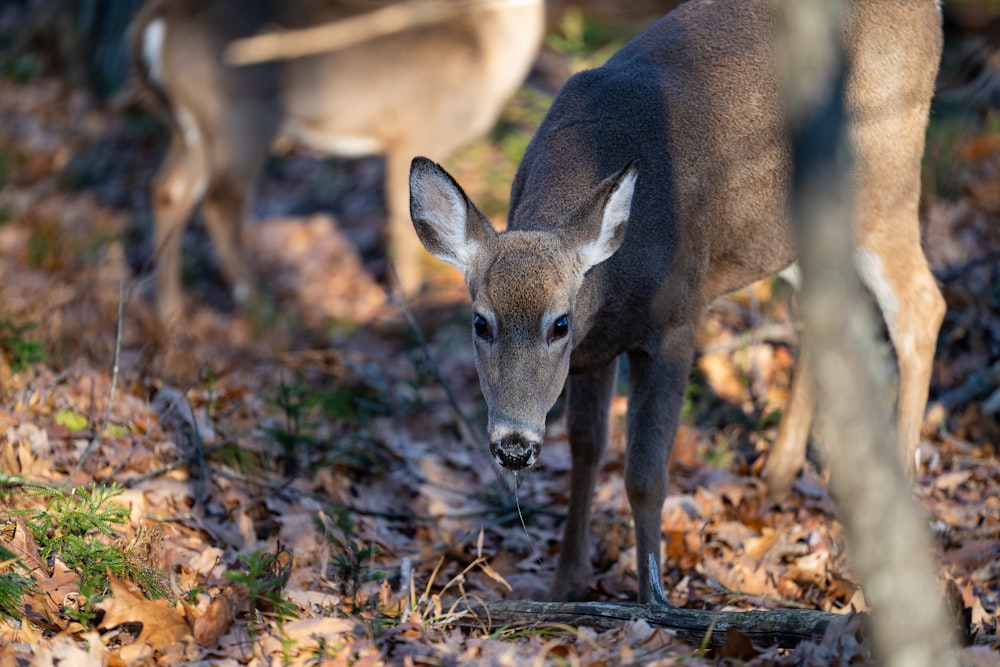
515	452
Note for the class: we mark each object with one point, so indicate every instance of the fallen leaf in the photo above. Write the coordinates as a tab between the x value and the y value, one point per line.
61	583
214	622
162	624
737	646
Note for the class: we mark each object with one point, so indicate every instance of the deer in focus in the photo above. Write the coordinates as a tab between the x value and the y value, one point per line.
655	184
429	89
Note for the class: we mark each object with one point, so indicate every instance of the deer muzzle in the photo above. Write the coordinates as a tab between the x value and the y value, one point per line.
515	452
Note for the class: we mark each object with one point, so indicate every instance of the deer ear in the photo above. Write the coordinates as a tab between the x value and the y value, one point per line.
596	227
447	223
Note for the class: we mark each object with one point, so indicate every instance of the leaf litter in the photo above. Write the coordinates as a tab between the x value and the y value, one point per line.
395	508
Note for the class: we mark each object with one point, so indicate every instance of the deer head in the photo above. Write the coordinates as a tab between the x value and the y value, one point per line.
524	287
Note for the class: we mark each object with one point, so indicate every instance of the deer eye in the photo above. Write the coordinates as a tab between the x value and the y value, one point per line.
481	327
559	329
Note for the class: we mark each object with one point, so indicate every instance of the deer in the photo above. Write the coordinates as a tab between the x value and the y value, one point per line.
430	89
655	184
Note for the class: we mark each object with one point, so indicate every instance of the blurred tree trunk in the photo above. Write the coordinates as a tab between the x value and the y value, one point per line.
890	548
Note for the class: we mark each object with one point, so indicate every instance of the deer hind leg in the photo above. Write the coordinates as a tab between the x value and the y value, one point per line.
225	209
177	187
789	450
657	384
895	270
242	140
588	407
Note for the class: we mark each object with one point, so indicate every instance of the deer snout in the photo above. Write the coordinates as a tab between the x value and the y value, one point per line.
515	452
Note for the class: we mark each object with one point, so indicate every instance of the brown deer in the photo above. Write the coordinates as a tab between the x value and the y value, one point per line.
655	184
429	89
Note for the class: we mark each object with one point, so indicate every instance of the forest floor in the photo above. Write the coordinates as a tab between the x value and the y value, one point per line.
305	482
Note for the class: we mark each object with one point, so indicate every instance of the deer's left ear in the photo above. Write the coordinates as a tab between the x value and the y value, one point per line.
596	227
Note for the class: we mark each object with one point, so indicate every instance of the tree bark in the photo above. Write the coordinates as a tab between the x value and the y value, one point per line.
889	547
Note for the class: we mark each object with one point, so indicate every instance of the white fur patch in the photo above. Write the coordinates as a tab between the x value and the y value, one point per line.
616	213
192	140
152	49
792	275
341	145
872	274
189	128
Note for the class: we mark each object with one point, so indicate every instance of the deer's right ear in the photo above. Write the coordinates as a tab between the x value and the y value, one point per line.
596	228
446	222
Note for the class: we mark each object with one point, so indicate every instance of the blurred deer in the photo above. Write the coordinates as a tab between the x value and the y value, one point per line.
427	89
655	184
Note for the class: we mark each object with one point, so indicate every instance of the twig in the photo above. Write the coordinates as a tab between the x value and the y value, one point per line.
114	382
955	273
507	511
199	446
163	470
465	427
975	386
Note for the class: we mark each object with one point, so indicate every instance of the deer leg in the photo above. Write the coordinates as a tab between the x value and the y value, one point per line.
658	380
896	272
403	247
178	185
588	407
225	209
242	133
789	450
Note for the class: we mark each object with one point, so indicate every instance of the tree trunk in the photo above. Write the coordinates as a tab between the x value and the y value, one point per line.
890	548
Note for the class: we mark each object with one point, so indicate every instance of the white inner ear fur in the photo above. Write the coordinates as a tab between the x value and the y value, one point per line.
616	212
443	207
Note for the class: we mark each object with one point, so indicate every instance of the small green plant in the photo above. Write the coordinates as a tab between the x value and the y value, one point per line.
5	168
265	574
12	585
23	68
67	526
20	350
297	402
323	652
351	563
302	406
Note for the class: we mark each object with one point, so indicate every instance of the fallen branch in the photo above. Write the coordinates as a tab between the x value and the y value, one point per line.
954	273
785	628
99	433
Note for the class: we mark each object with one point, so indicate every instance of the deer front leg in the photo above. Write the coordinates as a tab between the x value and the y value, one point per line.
658	380
588	407
789	450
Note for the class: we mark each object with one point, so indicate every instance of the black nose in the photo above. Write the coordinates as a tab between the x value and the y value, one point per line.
514	452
